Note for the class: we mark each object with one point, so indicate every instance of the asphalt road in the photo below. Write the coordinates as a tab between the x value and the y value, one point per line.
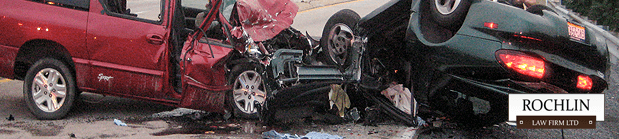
92	116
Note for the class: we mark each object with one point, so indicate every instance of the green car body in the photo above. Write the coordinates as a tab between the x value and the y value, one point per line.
454	64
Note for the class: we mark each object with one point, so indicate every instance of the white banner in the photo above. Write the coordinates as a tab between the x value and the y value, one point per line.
556	105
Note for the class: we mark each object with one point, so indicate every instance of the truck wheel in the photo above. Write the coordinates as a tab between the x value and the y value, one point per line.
337	37
449	13
49	89
248	90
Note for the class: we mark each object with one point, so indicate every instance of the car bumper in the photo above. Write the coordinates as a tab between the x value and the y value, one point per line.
499	90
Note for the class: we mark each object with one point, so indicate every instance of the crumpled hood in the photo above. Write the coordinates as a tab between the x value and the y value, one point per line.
263	19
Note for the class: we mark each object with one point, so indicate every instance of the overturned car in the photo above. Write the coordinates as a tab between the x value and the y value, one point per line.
463	57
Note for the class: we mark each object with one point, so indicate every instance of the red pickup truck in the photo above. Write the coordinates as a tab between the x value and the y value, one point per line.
149	50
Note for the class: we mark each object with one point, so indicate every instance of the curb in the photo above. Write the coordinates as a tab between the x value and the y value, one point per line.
4	80
305	5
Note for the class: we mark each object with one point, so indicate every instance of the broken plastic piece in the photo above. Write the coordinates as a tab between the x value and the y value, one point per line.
421	122
119	123
311	135
10	118
354	114
318	135
513	124
274	135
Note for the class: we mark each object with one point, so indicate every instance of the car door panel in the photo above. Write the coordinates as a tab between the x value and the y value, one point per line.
127	54
204	79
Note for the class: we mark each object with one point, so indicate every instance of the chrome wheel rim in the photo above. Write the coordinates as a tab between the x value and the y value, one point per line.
446	7
340	39
49	90
248	90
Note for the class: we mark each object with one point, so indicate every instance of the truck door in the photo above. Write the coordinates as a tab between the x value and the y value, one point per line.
127	45
204	73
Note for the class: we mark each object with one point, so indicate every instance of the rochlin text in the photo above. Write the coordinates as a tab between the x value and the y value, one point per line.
555	105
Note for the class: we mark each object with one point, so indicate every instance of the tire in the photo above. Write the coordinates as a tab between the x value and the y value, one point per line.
337	37
49	101
248	88
449	13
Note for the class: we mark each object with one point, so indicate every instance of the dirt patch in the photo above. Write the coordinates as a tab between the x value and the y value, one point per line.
7	132
112	135
179	122
37	129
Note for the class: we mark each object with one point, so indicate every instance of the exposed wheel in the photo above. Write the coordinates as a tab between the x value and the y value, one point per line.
337	37
49	89
449	13
248	90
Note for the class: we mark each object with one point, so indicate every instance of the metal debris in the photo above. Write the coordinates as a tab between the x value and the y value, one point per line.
10	118
119	123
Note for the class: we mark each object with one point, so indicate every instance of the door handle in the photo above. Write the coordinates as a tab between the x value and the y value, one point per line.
155	39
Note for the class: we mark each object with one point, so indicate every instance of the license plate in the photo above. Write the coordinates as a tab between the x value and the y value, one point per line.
576	32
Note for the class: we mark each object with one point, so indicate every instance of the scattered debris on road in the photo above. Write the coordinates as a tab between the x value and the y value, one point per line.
71	135
119	123
196	114
272	134
400	96
10	118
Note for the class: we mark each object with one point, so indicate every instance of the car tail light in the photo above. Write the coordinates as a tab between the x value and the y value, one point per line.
522	63
584	82
491	25
527	37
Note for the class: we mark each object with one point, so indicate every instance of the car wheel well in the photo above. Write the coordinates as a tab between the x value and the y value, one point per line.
34	50
431	29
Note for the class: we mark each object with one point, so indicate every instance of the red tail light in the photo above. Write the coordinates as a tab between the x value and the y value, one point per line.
491	25
522	63
527	37
584	82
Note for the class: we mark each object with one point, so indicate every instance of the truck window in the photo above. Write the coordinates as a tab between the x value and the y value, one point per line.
198	4
72	4
141	10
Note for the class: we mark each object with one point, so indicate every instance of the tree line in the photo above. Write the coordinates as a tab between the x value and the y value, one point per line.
604	12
